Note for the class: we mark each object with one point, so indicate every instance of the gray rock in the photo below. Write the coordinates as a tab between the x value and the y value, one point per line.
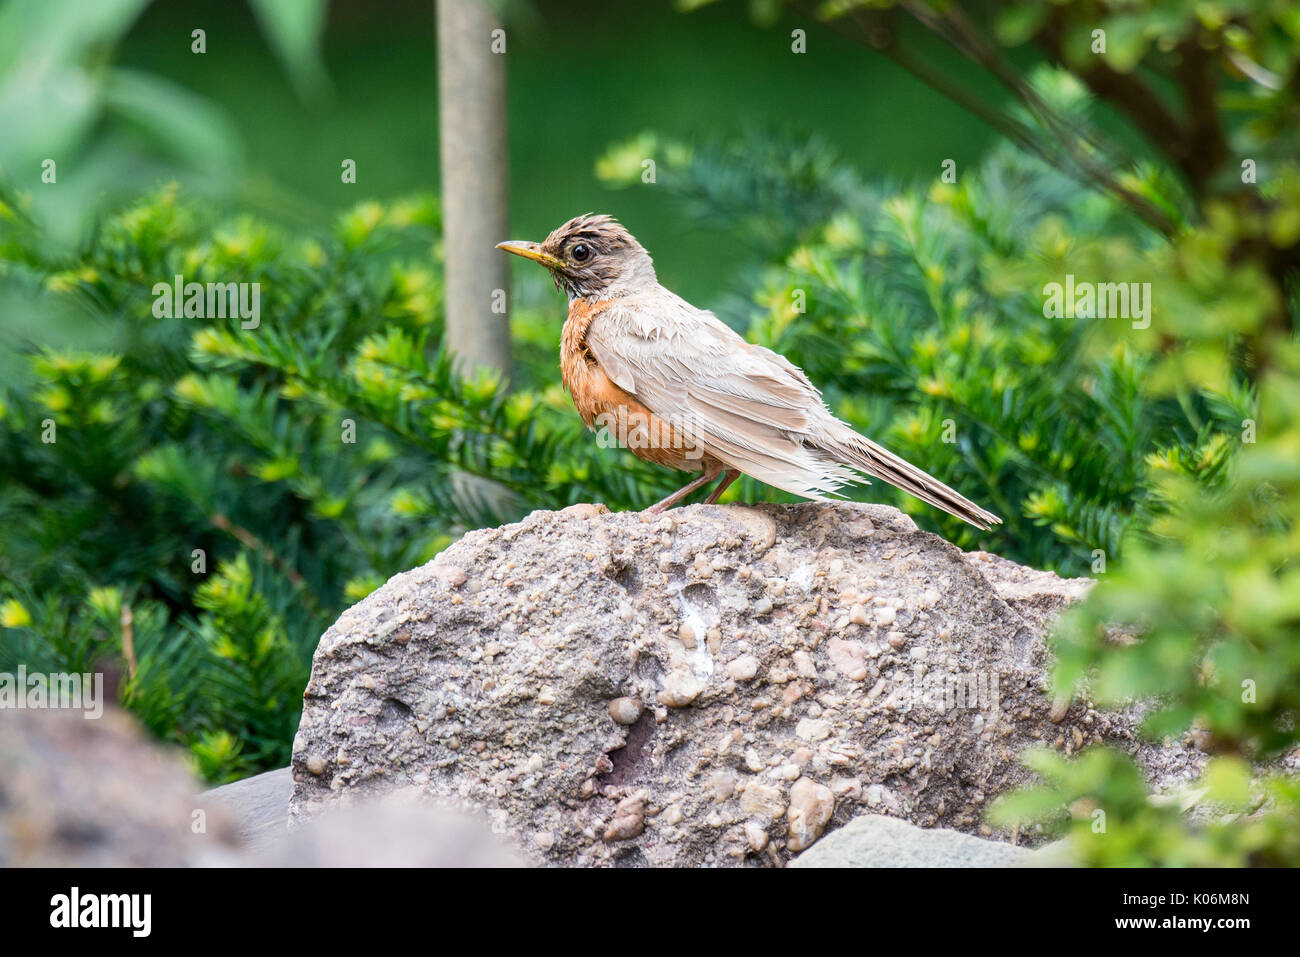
98	793
835	644
259	805
875	840
402	829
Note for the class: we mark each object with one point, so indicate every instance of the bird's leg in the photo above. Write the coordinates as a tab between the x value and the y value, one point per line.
684	491
731	476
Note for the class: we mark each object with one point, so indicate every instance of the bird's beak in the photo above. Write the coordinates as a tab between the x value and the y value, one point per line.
531	251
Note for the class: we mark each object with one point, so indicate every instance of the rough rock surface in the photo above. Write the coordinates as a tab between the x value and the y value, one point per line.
716	685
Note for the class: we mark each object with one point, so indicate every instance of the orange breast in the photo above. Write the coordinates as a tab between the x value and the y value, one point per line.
603	404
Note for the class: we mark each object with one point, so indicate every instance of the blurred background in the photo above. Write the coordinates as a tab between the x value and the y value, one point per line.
884	192
256	127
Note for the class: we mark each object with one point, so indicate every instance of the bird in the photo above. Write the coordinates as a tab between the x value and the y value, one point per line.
682	389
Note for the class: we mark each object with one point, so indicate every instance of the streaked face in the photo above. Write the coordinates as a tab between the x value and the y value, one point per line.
589	256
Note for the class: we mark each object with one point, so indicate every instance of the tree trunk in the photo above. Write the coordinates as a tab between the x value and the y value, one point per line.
475	170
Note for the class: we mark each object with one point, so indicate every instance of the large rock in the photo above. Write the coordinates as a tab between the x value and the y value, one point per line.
99	793
717	685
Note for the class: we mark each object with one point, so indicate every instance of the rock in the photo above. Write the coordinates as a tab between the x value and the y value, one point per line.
259	805
724	624
401	829
99	793
811	807
874	840
743	668
762	800
629	817
625	710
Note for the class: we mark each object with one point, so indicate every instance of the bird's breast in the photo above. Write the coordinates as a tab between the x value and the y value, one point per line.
603	404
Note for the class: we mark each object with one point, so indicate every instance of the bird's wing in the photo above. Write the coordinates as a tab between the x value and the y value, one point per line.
744	404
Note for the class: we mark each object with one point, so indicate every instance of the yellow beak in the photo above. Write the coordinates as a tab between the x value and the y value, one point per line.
531	251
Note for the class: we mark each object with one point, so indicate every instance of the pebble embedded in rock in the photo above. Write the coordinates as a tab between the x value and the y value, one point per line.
812	729
811	808
848	658
803	664
680	689
451	575
743	668
762	800
625	710
629	818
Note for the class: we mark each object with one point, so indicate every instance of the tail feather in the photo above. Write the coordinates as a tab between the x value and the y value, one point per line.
846	446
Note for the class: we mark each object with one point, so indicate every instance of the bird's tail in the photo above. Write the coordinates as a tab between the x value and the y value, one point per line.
859	452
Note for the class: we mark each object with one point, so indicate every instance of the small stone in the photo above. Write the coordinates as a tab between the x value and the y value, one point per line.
811	807
629	818
762	800
715	640
625	710
846	787
680	689
687	634
858	615
803	664
315	764
546	695
848	658
762	606
756	835
723	785
886	615
812	729
743	668
450	575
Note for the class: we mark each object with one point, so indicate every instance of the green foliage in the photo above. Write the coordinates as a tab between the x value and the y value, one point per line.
190	503
122	125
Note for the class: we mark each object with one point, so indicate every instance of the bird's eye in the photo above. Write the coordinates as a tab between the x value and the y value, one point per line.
581	253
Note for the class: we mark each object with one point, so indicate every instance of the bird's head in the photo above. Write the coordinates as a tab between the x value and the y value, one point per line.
591	256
